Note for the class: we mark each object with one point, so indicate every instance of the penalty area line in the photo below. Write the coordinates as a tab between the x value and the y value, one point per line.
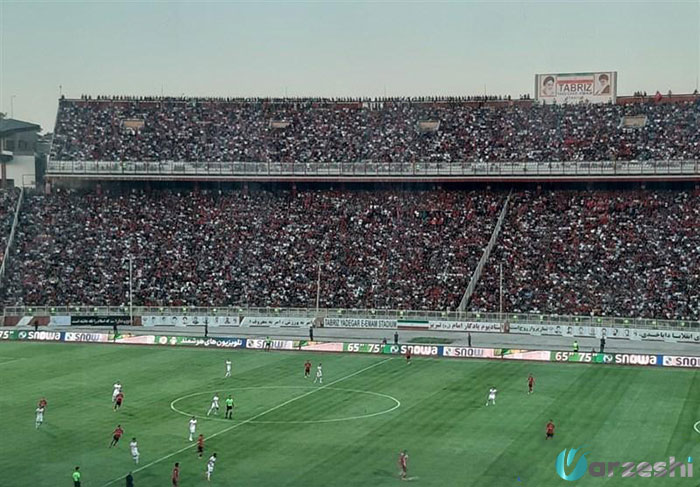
251	419
696	427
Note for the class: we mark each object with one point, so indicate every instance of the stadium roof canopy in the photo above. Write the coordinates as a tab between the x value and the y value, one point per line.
9	126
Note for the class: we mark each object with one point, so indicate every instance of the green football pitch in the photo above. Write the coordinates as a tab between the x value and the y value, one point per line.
288	431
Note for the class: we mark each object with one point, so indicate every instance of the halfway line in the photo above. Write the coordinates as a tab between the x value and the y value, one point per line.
289	401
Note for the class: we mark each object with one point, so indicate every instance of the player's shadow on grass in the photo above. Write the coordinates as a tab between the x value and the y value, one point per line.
384	473
48	432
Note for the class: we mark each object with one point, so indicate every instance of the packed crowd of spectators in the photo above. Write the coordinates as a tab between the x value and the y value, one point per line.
613	253
378	249
390	130
8	204
597	252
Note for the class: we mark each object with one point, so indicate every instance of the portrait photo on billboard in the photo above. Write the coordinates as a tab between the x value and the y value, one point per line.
602	84
548	86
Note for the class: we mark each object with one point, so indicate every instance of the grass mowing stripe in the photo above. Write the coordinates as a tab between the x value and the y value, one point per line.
5	362
646	414
232	427
687	414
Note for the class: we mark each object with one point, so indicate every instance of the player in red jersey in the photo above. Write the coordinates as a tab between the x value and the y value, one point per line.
200	445
550	430
408	356
530	384
118	400
307	369
176	474
116	434
403	464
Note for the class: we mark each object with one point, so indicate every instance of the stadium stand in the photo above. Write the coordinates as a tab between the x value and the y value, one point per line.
607	253
377	249
390	130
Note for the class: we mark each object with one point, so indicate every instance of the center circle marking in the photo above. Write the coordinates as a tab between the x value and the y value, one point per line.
397	404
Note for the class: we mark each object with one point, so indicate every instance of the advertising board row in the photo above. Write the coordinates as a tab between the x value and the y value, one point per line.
250	321
358	347
605	331
521	328
437	325
582	331
173	320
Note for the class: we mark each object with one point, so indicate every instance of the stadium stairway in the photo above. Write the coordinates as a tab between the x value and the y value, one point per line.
484	257
10	239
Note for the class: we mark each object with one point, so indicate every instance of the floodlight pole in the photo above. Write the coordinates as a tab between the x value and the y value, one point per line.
318	288
501	290
131	291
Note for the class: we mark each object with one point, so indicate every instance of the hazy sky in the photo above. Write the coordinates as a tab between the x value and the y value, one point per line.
334	48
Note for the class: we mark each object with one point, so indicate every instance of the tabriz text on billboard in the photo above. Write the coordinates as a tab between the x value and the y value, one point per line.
599	87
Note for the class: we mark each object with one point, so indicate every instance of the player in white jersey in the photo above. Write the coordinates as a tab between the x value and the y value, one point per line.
319	374
228	368
117	389
39	416
134	450
492	396
193	427
214	405
210	466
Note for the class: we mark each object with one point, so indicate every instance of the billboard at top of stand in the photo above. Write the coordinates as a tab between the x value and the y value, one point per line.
563	88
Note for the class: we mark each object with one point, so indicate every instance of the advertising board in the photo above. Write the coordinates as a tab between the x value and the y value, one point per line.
185	320
136	339
608	358
8	334
213	342
563	88
276	322
470	326
259	343
681	361
71	336
43	336
359	323
605	331
320	346
467	352
96	320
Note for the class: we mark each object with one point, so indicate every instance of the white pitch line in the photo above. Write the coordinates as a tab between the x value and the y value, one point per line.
696	427
397	404
11	361
253	418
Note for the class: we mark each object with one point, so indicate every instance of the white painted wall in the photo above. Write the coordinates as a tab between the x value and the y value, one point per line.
22	170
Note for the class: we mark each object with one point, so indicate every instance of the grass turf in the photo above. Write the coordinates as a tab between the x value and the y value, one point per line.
619	413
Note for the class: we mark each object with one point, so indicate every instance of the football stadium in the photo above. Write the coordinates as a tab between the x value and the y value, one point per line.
477	290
